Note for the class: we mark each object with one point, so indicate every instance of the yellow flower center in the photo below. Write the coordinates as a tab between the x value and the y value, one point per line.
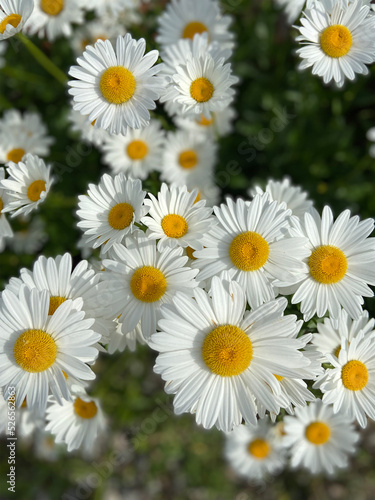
201	90
137	150
336	40
16	155
328	264
354	375
189	252
85	409
259	448
193	28
148	284
35	351
117	84
121	216
35	189
54	303
317	433
204	122
227	351
188	159
174	226
249	251
1	205
13	19
52	7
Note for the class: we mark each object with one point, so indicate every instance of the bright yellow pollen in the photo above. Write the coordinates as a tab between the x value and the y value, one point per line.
193	28
121	216
317	433
148	284
54	303
227	351
189	252
201	90
249	251
188	159
52	7
13	19
279	377
35	351
174	226
259	448
328	264
16	155
336	41
117	84
204	122
85	409
354	375
137	150
1	205
35	189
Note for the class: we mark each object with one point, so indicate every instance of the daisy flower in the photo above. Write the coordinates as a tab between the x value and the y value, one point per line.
250	242
320	441
117	88
3	49
13	16
142	278
350	384
175	219
27	186
338	38
341	264
35	348
110	209
14	145
253	452
5	229
219	125
138	153
185	18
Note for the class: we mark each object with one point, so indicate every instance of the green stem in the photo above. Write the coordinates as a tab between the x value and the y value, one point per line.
43	60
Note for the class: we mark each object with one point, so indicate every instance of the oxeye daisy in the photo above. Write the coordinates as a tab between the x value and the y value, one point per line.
175	219
110	209
218	359
13	16
253	452
36	348
250	242
341	264
219	125
338	38
5	229
14	145
319	440
27	186
141	279
138	153
350	384
116	88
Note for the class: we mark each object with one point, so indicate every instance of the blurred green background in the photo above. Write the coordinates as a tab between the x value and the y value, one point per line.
319	141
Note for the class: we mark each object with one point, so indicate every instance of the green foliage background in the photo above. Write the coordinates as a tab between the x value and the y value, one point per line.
322	146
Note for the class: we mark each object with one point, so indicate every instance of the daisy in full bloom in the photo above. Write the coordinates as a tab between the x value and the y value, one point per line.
175	219
319	440
3	49
110	209
341	264
138	153
253	452
219	125
250	242
36	348
116	88
13	16
87	131
350	384
338	38
27	186
186	18
217	358
14	145
78	423
141	278
371	137
5	229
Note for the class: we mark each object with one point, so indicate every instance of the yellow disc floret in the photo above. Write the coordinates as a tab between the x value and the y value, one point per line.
54	303
193	28
174	226
16	155
227	351
328	264
249	251
85	409
148	284
13	19
336	41
137	150
259	448
117	84
201	90
188	159
35	190
52	7
121	216
317	433
354	375
35	351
